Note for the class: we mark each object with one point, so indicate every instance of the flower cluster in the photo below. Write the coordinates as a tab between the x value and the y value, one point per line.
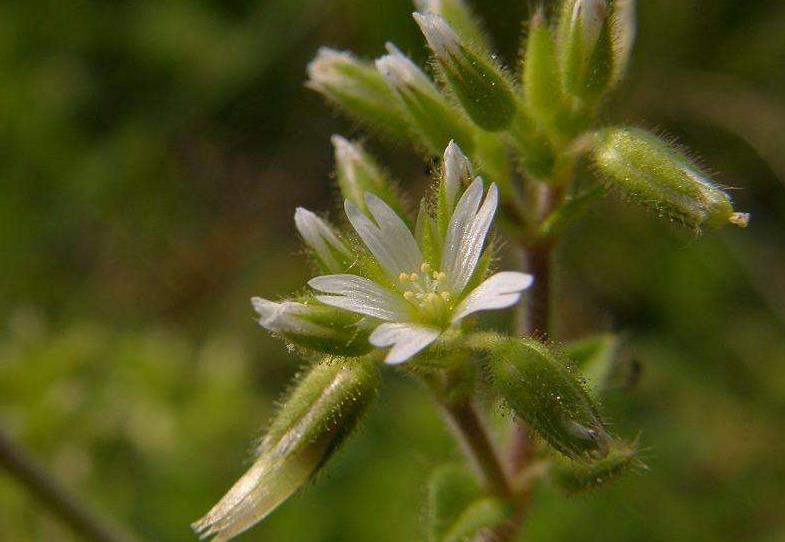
429	281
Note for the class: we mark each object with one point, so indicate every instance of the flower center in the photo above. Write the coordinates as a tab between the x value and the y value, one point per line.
427	291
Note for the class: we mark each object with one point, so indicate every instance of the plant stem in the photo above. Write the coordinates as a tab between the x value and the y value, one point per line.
51	494
471	433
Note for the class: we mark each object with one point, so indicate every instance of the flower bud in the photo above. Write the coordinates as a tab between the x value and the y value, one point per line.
457	173
575	477
585	48
652	172
541	82
330	253
623	30
315	327
358	89
430	114
546	395
459	16
358	173
478	82
324	408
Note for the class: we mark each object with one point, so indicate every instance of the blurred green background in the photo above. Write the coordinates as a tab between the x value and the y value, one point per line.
151	156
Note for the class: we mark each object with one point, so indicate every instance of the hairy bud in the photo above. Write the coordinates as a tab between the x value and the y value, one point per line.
330	253
315	327
458	16
323	409
358	173
430	114
652	172
358	89
585	48
478	82
547	396
576	477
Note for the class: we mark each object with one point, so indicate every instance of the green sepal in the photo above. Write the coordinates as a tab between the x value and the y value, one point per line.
541	80
458	508
323	408
480	84
652	172
542	391
579	476
534	151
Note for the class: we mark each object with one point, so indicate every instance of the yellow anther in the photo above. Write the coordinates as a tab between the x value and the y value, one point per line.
403	277
446	296
420	296
408	295
413	277
426	267
439	275
432	297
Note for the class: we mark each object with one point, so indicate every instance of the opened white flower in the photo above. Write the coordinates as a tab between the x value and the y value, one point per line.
424	296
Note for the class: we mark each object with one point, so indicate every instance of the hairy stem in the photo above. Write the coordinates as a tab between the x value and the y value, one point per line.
51	494
471	433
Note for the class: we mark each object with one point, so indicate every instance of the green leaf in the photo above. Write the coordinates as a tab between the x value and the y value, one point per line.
458	508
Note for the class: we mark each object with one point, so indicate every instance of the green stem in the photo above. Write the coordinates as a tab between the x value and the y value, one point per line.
51	494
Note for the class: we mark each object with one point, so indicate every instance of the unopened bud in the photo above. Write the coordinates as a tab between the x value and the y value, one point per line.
623	30
358	89
358	172
330	253
457	173
324	408
480	85
541	81
459	16
652	172
546	395
578	476
585	48
315	327
430	114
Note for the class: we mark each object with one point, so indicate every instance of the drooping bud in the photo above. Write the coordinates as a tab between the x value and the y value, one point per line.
324	408
315	327
330	253
359	90
541	80
459	16
358	173
575	477
430	114
539	388
480	85
585	48
652	172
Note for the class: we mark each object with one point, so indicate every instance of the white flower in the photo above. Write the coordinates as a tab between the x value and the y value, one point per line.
423	298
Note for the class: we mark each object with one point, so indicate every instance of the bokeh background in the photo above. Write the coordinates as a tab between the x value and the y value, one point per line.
151	157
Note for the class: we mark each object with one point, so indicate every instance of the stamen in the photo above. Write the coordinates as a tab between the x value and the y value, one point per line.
446	296
408	295
413	277
403	277
426	268
440	276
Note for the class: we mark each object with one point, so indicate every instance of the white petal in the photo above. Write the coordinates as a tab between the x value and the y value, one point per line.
456	168
499	291
360	295
318	235
406	340
390	242
467	234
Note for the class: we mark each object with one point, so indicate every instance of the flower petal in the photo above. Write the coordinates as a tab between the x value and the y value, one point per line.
318	235
390	241
406	340
498	291
360	295
466	236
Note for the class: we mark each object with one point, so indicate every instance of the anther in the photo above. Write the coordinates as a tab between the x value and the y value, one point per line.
445	296
432	298
413	277
425	267
408	295
403	277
